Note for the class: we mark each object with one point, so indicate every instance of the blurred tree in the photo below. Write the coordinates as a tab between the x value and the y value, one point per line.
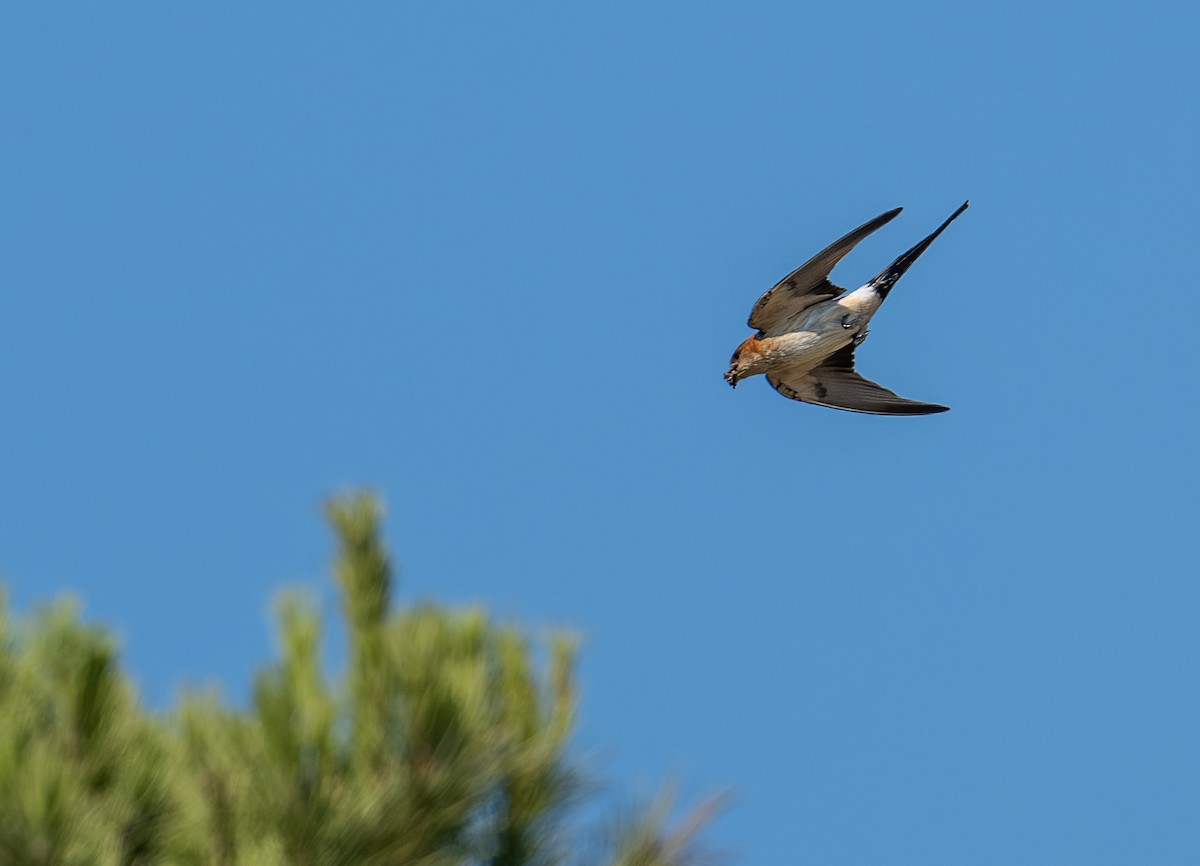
445	746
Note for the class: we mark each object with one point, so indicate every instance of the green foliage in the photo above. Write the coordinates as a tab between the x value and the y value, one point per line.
445	746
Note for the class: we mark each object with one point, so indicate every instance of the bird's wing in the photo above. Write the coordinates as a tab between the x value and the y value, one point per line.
809	284
835	384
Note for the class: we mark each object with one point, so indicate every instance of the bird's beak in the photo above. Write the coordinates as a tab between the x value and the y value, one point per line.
732	378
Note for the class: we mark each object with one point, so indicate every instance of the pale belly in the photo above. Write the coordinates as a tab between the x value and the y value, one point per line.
816	333
821	330
806	348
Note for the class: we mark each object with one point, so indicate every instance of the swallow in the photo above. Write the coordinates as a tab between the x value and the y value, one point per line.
808	329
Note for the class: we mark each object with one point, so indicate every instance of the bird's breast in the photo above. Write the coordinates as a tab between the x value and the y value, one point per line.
803	348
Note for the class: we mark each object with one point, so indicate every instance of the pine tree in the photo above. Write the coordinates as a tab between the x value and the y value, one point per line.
445	745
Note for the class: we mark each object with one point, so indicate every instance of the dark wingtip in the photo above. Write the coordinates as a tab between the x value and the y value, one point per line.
915	408
872	225
921	409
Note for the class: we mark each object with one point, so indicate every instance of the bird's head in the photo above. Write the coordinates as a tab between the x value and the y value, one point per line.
743	362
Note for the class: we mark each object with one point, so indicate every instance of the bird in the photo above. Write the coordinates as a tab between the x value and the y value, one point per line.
808	329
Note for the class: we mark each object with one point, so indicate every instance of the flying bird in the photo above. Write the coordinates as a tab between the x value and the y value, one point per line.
808	329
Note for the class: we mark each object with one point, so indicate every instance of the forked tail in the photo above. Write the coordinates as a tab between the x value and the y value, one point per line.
883	283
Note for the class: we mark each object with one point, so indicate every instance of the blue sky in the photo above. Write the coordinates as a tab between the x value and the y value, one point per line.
491	260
